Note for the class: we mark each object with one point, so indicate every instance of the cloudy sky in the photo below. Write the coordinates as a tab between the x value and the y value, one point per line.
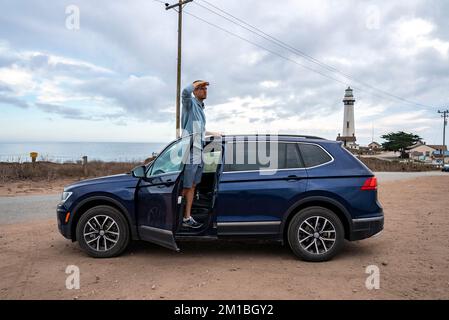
114	77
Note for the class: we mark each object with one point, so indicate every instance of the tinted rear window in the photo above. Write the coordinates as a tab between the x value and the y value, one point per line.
313	155
248	158
292	156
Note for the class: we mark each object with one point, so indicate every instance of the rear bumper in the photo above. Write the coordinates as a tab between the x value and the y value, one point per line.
366	227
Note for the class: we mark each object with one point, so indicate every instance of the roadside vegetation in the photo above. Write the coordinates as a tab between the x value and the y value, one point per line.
44	170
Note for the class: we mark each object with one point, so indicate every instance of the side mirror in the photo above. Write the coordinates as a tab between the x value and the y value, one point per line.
139	172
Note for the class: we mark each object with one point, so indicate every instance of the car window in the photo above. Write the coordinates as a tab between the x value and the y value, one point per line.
292	156
313	155
246	156
211	161
212	155
171	159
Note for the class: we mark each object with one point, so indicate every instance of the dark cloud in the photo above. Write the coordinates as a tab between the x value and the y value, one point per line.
6	61
38	61
4	88
140	97
13	101
42	63
66	112
77	114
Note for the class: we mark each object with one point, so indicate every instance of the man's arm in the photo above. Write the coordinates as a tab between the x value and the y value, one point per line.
187	96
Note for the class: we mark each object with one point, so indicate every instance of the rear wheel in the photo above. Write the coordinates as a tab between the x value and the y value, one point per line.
315	234
102	232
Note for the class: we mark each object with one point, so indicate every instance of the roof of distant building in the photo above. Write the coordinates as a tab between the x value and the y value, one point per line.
438	146
432	146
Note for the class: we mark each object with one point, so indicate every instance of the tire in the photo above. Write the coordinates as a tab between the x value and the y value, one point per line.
111	228
315	244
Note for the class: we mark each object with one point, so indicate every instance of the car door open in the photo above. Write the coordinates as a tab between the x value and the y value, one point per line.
157	195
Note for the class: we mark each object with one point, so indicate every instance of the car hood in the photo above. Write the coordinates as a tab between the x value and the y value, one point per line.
123	178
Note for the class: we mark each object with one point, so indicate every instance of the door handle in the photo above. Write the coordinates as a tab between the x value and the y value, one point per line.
293	177
160	184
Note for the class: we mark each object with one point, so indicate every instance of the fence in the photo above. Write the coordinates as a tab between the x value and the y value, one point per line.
21	158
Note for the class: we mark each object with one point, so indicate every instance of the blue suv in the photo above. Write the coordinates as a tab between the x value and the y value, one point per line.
316	196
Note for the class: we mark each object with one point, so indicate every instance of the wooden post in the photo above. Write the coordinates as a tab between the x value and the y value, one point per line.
85	166
445	116
178	71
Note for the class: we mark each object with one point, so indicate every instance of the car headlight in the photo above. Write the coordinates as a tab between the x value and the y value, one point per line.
65	195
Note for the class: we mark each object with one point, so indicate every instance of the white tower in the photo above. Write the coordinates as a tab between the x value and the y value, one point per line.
348	136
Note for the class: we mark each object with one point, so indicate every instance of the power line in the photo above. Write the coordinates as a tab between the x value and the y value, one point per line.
328	67
264	48
257	45
296	51
282	56
266	36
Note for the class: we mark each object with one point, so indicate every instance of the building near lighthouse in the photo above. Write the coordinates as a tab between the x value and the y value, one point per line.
348	135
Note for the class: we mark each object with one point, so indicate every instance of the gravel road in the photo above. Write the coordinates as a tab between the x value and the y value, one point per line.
27	208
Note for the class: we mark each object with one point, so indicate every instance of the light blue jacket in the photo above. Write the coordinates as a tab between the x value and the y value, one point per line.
193	119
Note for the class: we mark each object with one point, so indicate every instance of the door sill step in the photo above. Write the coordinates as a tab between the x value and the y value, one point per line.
183	237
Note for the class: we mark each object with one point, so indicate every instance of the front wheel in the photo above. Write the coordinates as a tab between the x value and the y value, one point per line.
315	234
102	232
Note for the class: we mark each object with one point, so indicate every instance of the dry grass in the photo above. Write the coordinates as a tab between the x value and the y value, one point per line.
44	170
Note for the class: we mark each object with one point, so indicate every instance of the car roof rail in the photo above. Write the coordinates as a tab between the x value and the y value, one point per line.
279	135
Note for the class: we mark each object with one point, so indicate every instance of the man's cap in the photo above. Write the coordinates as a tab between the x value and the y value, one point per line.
201	83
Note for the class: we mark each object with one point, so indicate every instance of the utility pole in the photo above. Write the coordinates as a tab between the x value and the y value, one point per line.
444	116
178	79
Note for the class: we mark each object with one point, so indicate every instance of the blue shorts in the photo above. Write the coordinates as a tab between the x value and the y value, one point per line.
192	175
193	170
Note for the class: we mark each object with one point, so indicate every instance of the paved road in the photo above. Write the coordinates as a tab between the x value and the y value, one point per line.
21	208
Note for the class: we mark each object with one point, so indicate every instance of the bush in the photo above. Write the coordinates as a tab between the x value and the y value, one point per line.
44	170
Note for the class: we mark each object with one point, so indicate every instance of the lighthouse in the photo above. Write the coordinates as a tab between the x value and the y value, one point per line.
348	136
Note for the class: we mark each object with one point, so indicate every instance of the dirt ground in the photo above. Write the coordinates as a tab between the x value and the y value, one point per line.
412	255
23	188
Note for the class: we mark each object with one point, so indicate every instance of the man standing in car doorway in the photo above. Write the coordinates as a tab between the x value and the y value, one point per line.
193	122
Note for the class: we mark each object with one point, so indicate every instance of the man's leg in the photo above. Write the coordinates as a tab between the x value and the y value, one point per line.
188	194
188	221
191	172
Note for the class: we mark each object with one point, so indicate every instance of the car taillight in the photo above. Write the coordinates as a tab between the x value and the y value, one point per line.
370	184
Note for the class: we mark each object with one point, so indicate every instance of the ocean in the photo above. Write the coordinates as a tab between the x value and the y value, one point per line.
74	151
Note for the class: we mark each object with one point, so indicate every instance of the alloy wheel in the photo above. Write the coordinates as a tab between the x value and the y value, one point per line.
317	235
101	233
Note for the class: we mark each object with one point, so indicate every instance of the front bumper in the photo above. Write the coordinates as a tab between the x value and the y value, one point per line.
63	227
366	227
